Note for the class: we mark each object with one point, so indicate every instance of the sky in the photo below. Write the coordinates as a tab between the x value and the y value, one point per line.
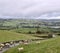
36	9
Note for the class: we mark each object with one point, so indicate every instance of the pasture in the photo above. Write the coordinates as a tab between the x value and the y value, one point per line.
10	36
13	30
46	46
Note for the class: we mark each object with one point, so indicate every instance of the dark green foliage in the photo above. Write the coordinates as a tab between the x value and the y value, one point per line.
31	32
38	32
50	35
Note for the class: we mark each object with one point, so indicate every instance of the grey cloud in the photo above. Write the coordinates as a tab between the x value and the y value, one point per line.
28	8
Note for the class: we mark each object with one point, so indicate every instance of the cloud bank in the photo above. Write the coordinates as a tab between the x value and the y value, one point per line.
29	8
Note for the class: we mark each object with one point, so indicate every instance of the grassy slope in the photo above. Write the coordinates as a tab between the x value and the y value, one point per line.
25	30
8	36
47	46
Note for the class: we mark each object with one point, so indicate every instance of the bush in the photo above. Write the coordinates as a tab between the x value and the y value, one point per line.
38	32
58	34
49	35
31	32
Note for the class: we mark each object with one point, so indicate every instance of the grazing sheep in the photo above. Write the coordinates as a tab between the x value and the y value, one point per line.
26	43
1	48
20	42
20	49
53	36
2	45
38	42
7	45
11	43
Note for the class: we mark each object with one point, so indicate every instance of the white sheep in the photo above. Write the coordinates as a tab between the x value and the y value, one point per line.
20	49
26	43
7	45
38	42
2	45
1	48
11	43
20	42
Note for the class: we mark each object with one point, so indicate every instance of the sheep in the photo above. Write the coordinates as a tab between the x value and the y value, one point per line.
20	42
7	45
26	43
11	43
38	42
53	36
1	48
2	45
20	49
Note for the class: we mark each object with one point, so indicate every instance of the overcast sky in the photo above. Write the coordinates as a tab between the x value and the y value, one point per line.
30	9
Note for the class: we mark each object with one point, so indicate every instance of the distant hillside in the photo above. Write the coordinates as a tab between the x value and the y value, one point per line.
27	23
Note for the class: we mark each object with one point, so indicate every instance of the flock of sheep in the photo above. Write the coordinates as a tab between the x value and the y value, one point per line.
9	44
25	42
5	45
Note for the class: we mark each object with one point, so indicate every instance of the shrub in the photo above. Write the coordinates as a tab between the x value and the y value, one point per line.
49	35
38	32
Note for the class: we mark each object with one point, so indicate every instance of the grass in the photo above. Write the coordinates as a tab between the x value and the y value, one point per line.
46	46
9	36
24	30
32	30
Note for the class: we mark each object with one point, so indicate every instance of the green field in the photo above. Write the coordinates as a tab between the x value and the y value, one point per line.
46	46
24	29
32	30
10	36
